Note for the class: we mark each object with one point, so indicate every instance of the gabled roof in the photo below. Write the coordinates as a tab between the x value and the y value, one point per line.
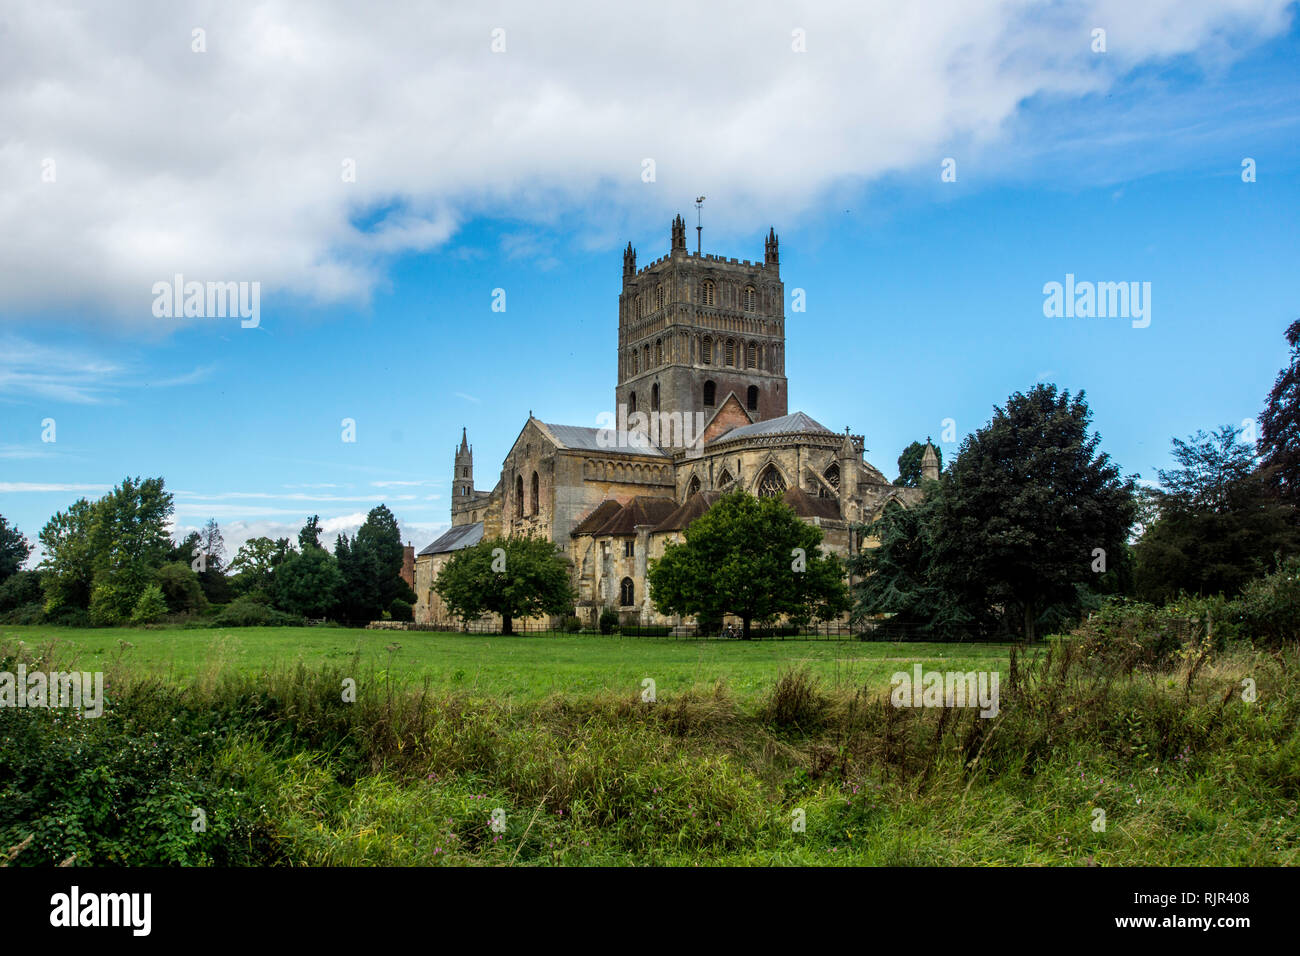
688	511
811	506
786	424
599	515
457	537
582	438
641	510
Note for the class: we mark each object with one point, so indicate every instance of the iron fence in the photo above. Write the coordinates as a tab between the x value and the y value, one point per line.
875	631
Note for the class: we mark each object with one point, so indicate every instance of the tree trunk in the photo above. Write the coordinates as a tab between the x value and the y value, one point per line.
507	624
744	629
1030	618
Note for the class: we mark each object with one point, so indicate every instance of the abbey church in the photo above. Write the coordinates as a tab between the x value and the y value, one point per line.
701	409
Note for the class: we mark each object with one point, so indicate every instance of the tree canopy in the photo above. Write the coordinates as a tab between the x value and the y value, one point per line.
513	577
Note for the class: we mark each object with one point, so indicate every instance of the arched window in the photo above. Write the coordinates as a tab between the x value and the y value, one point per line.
536	494
654	397
474	516
645	355
751	355
659	297
832	476
706	351
627	593
751	298
724	479
751	398
631	402
636	306
659	351
519	496
729	357
464	472
632	362
710	393
707	292
694	486
771	484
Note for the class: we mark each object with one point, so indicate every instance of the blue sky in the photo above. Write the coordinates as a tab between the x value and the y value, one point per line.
924	298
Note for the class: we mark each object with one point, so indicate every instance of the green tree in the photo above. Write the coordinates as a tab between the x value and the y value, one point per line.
307	583
909	464
309	536
358	595
896	578
379	541
1279	426
1217	524
254	566
14	549
150	606
1029	507
129	542
751	557
68	557
181	587
512	577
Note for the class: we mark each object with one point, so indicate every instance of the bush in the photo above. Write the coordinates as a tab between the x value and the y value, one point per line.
641	630
608	621
246	612
151	606
180	587
401	610
1268	610
571	625
67	616
19	589
24	614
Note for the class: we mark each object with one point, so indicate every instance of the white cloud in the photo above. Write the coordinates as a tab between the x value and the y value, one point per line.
226	165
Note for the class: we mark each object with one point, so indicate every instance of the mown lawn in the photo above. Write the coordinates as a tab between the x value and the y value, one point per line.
526	668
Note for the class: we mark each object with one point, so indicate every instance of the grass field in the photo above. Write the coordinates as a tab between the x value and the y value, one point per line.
524	668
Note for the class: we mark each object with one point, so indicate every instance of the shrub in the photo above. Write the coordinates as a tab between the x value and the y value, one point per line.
24	614
795	701
67	616
608	621
180	587
571	625
1268	610
401	610
151	606
19	589
247	612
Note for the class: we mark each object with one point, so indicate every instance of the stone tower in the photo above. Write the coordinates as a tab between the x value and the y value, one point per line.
693	329
462	479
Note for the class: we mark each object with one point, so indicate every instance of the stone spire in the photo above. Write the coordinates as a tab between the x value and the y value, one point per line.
679	234
770	256
462	476
629	261
929	462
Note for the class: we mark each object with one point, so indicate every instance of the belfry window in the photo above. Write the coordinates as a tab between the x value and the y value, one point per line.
751	355
659	297
730	355
710	394
706	351
654	397
707	293
751	398
751	298
659	352
631	402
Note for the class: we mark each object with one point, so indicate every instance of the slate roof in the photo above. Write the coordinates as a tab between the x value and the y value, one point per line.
811	506
582	438
642	509
786	424
460	536
602	513
688	511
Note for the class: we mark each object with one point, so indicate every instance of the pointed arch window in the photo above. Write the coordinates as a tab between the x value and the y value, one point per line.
519	496
627	593
771	484
751	298
832	476
706	351
659	352
729	357
654	397
707	292
694	486
631	402
724	479
536	500
751	355
710	394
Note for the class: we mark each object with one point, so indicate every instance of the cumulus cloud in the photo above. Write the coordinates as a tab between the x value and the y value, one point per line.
230	164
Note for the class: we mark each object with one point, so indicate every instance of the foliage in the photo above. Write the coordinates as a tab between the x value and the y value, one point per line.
1269	607
525	578
14	549
151	606
255	565
248	611
19	589
1279	425
1217	524
608	620
751	557
909	464
571	624
180	587
401	610
1025	506
307	582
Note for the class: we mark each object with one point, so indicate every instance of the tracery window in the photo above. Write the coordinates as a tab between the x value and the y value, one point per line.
771	484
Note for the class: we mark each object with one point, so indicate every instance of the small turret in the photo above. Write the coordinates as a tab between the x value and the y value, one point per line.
679	234
770	256
848	459
629	262
929	462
